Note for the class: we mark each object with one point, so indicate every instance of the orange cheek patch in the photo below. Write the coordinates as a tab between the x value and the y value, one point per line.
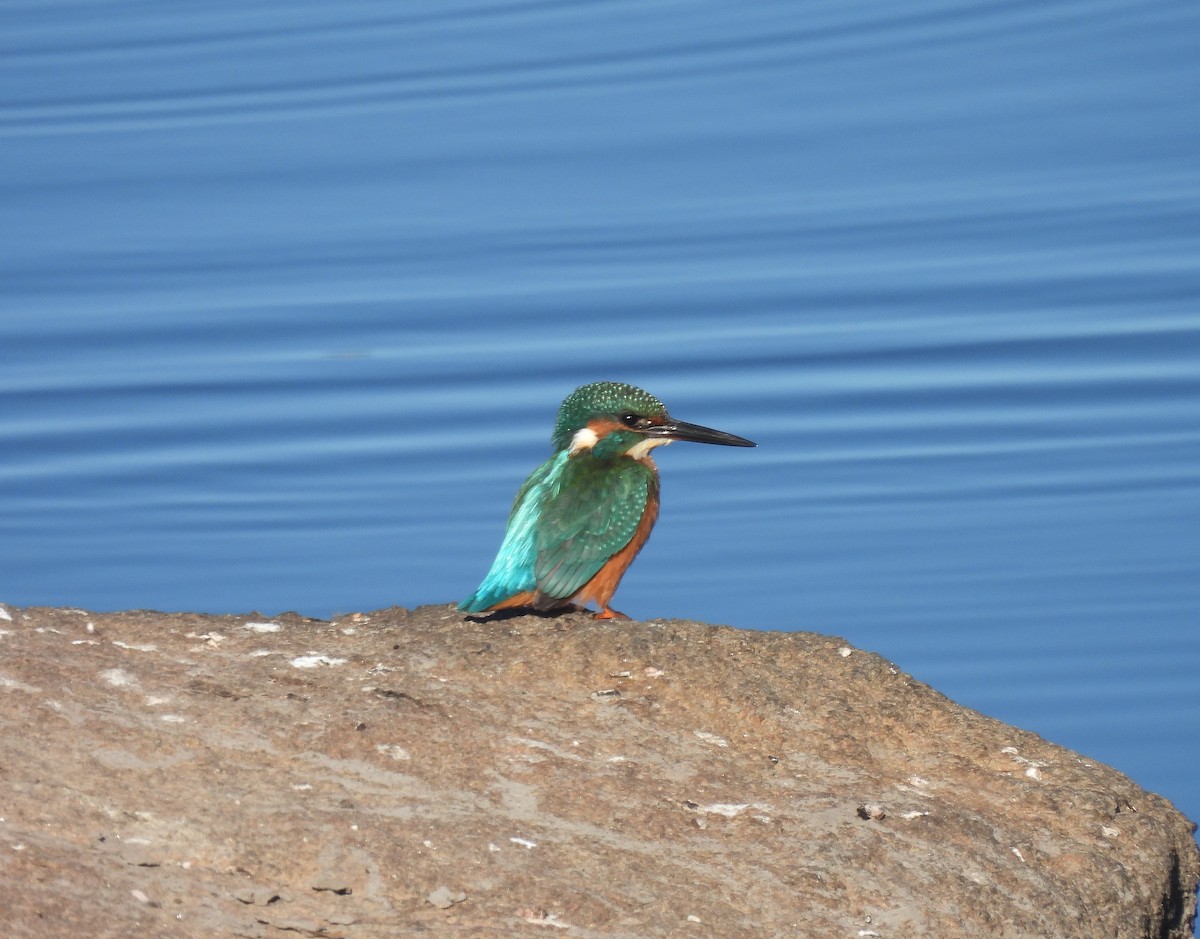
601	427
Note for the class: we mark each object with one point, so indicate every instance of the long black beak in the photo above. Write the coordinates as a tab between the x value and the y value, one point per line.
682	430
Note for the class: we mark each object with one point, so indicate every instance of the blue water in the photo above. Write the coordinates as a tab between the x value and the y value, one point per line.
290	292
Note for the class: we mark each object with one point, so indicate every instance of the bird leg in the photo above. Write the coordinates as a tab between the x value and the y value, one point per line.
607	612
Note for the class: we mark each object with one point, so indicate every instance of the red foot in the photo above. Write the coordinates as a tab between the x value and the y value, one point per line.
609	613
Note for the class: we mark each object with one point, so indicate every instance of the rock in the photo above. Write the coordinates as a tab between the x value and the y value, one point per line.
181	775
444	898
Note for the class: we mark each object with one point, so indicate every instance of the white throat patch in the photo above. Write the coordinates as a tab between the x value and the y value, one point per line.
641	449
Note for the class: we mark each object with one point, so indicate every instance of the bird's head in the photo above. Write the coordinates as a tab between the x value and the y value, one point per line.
614	419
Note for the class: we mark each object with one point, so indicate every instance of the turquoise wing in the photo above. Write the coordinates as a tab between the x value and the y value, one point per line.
512	571
588	516
570	516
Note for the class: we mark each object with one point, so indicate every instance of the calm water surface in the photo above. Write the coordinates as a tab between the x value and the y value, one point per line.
291	292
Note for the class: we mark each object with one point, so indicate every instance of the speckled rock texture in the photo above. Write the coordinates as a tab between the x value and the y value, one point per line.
409	773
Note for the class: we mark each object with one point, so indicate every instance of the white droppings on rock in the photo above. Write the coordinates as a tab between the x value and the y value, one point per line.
135	646
711	738
4	614
173	719
314	660
727	809
1109	832
118	677
734	809
524	842
12	683
845	652
1033	768
262	627
1017	852
394	750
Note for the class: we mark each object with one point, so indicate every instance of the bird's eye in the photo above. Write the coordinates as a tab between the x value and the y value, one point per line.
630	419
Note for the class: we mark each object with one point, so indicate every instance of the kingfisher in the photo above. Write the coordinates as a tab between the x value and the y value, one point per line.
581	517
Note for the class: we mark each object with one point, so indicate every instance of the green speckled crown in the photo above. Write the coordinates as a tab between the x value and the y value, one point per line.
601	399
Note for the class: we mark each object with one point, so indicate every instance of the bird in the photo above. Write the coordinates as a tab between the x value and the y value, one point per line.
580	518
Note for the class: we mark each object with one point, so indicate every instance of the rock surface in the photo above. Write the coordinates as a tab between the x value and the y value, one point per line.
407	773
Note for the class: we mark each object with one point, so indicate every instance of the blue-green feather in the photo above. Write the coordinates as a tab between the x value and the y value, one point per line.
571	515
513	570
593	516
